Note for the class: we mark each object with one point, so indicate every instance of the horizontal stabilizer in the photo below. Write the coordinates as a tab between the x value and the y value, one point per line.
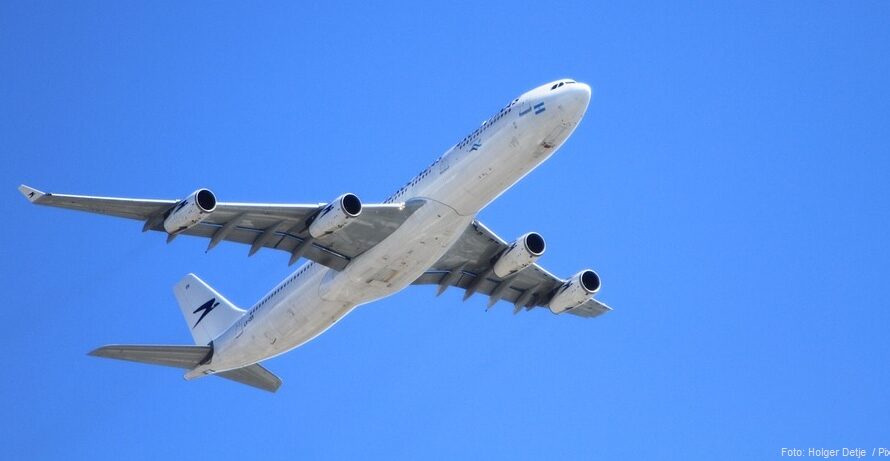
254	375
187	357
590	308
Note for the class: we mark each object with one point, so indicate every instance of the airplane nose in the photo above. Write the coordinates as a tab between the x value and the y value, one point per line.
584	89
576	97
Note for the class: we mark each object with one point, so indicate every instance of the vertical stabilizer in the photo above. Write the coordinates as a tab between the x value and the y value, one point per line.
207	313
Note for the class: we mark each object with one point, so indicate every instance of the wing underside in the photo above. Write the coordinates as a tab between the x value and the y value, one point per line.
468	266
282	227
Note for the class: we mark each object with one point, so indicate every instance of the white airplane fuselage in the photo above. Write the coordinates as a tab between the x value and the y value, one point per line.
453	189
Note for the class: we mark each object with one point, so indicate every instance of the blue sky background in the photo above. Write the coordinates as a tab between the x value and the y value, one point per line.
729	183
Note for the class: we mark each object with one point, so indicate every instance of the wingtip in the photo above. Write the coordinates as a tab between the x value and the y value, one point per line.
98	352
31	193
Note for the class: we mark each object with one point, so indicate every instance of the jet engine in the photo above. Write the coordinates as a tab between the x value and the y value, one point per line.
190	211
575	292
521	254
335	215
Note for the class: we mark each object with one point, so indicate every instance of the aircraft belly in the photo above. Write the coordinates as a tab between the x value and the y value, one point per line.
299	318
327	295
400	259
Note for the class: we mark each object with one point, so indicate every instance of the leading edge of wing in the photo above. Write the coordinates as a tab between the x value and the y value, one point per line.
40	197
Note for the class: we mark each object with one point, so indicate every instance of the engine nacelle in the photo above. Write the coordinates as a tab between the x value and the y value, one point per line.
575	292
335	215
190	211
521	254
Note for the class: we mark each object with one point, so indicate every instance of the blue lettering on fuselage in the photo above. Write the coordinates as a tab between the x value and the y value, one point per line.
462	144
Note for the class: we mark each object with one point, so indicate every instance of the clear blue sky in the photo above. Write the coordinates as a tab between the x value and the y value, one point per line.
730	184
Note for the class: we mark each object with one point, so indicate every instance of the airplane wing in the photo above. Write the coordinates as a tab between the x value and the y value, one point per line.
468	265
261	225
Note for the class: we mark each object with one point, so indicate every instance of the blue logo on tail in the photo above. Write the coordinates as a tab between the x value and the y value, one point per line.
205	309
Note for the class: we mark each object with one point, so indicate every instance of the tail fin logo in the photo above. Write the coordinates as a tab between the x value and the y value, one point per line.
205	309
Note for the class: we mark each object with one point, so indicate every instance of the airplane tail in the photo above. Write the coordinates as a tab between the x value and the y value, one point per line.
207	313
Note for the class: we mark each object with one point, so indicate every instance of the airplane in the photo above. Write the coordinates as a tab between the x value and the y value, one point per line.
426	233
